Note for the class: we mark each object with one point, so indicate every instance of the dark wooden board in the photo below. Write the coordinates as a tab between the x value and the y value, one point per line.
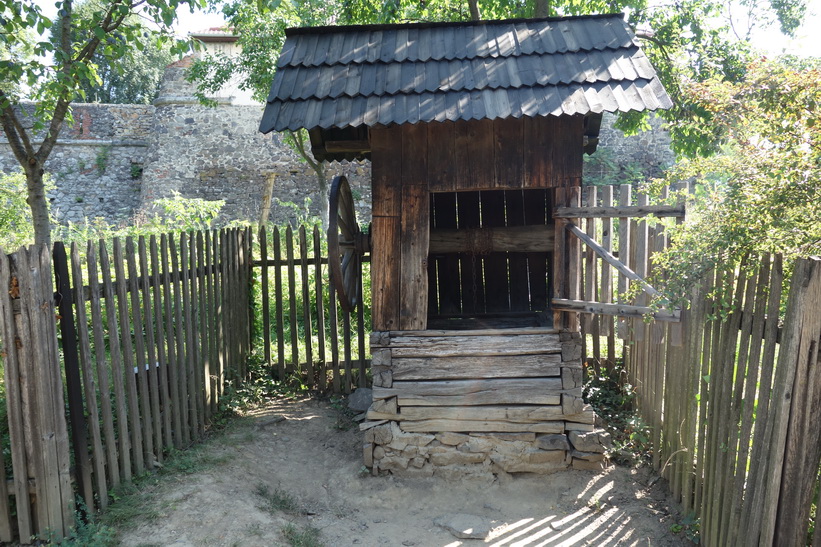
473	295
385	264
508	134
413	274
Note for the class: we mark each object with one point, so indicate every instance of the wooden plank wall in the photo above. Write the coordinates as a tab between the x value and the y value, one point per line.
734	403
411	161
306	335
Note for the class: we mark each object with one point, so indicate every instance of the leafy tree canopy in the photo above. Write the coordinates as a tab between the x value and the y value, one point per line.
762	193
133	78
57	73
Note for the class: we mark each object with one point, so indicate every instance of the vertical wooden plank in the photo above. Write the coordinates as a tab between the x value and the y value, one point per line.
803	438
642	256
561	287
278	295
590	262
140	361
334	326
196	315
606	293
751	523
470	266
151	364
14	398
360	335
625	199
497	288
538	166
320	310
102	379
537	212
204	363
433	281
292	305
189	380
247	290
48	438
209	325
179	280
414	243
161	340
170	330
266	297
74	387
745	409
519	289
137	438
217	356
89	380
346	340
441	142
306	308
385	262
574	259
447	266
386	161
475	160
508	151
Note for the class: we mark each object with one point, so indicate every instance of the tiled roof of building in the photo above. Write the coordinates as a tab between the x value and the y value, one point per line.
384	74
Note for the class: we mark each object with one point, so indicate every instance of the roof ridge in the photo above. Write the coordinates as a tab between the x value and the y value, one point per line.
332	29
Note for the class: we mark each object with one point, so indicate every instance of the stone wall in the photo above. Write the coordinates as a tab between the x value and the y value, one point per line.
115	160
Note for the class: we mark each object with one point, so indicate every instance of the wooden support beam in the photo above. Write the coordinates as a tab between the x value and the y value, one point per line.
620	211
521	239
612	260
619	310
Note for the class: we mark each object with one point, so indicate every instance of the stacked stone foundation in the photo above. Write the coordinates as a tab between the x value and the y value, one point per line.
455	403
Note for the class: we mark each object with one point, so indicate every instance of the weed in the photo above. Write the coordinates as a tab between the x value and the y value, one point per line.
344	415
309	536
136	170
130	503
612	399
277	500
91	533
690	527
101	160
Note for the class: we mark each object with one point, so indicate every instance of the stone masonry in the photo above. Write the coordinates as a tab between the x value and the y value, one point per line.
114	161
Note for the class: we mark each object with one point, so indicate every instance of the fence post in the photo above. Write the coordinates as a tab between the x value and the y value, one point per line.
34	385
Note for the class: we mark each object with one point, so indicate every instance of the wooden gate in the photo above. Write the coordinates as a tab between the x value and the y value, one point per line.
597	260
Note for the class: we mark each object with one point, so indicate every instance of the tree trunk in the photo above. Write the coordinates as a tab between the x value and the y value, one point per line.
319	170
39	204
541	8
475	14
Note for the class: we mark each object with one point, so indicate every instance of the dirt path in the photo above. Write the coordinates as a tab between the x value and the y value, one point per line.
293	468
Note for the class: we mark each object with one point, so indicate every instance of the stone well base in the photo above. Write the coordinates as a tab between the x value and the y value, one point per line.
388	449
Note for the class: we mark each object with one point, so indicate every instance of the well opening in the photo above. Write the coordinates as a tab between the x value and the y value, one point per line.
489	264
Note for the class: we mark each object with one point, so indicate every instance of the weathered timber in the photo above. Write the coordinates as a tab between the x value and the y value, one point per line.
501	427
627	272
622	211
618	310
397	338
456	346
521	239
454	368
515	414
544	391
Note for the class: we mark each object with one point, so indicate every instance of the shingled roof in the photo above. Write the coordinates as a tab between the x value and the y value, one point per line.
337	77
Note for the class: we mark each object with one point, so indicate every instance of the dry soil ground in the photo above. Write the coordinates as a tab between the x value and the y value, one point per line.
296	466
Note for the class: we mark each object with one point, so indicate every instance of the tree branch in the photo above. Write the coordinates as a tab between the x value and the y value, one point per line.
15	133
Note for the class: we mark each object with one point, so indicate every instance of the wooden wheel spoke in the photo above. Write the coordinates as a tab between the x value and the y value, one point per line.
343	234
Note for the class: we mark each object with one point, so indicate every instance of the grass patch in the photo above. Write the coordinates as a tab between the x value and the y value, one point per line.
307	536
277	500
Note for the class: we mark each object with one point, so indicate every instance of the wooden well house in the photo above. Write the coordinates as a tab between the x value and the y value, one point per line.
475	132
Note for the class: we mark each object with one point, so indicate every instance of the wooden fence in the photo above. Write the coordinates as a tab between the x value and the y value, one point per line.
151	332
616	234
305	333
732	402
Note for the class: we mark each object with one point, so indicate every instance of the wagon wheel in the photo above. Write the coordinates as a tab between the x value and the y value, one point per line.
347	244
